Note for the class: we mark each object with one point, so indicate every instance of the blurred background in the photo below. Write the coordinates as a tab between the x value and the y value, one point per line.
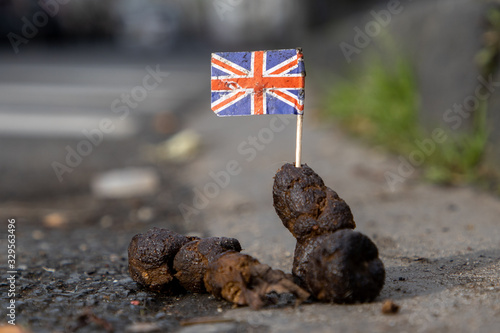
164	24
63	63
391	67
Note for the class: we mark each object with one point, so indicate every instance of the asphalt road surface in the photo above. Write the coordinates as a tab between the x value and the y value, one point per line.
440	246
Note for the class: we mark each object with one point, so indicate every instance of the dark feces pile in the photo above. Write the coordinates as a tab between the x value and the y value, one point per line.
164	261
333	262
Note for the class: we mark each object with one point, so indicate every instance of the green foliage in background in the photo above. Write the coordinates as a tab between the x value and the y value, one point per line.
378	105
489	55
458	159
381	107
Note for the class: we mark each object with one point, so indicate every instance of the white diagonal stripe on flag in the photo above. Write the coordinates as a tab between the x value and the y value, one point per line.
282	64
284	100
229	64
232	95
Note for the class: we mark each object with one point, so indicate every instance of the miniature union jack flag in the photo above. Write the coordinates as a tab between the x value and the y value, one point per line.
259	82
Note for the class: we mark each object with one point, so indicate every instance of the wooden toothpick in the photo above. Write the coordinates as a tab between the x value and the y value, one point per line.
298	148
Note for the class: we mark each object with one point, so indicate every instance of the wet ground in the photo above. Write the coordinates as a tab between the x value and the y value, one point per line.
440	246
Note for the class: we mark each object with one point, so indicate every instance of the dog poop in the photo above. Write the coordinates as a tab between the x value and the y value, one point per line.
344	268
192	260
306	206
334	263
164	261
243	280
151	257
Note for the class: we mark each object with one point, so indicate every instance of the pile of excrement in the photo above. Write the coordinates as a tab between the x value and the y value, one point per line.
332	262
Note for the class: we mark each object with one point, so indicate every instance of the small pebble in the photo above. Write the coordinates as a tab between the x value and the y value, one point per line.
106	221
389	307
142	328
145	214
55	220
126	183
37	234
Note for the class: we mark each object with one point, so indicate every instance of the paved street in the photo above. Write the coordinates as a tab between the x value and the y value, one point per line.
51	100
440	246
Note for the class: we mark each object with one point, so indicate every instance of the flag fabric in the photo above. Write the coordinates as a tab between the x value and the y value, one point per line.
258	82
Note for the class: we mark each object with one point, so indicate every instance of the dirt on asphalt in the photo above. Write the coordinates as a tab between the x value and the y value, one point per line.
71	259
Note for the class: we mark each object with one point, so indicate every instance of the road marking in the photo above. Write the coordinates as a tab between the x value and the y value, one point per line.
61	125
